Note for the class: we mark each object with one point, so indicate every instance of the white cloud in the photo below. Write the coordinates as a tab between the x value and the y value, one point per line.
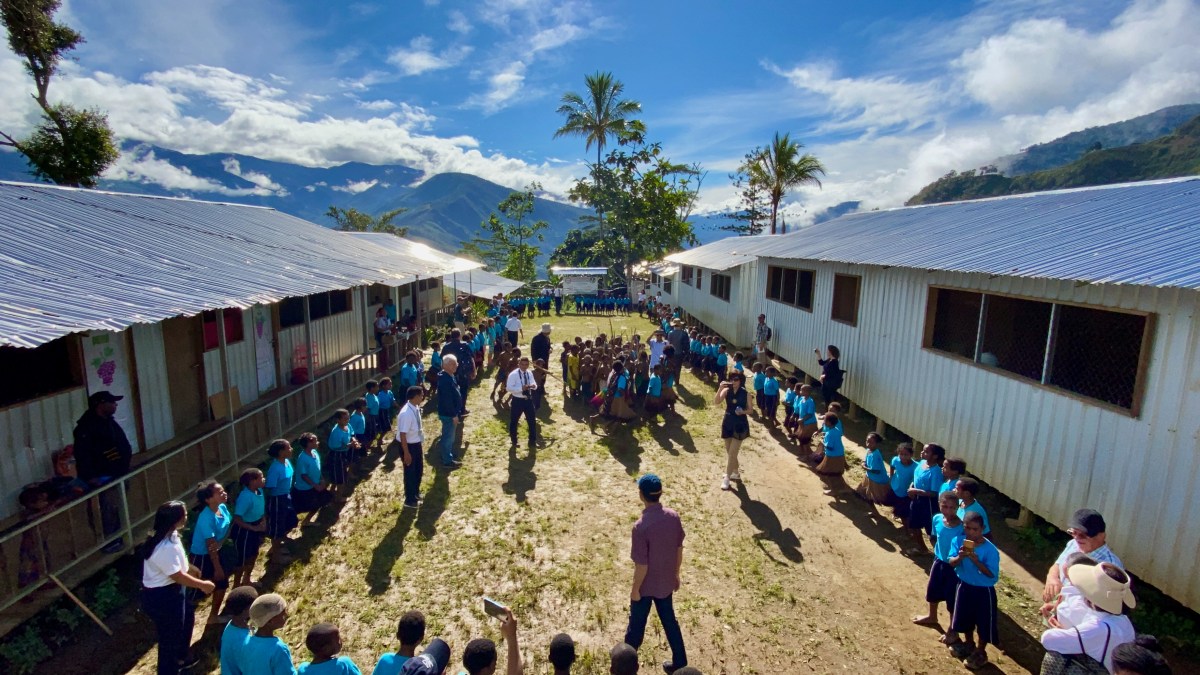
356	187
419	57
377	105
262	180
459	23
554	37
870	103
141	166
503	87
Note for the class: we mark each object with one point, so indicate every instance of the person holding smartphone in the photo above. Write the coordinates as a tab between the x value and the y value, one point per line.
734	426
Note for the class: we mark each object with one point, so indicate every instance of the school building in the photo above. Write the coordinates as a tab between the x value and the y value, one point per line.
224	326
1050	339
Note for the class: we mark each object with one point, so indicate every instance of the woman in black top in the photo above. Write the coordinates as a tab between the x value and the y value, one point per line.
831	374
734	426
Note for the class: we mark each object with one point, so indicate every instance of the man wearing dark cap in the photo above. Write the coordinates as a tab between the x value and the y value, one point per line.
432	661
1087	530
657	554
102	454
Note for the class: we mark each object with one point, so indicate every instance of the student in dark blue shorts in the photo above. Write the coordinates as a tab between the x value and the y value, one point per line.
943	580
249	523
281	515
977	562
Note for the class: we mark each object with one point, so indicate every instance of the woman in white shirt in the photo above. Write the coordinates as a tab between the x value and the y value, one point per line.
1088	646
165	575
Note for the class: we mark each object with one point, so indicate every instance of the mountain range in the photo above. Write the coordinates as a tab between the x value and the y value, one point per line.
444	210
1175	154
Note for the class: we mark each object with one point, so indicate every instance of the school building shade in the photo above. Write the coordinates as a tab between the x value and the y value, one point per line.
1049	339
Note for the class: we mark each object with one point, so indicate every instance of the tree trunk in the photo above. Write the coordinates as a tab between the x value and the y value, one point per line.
774	214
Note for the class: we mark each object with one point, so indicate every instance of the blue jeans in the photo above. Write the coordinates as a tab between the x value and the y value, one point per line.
639	612
446	442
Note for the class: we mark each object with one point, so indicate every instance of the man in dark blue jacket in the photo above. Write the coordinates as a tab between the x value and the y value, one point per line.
450	409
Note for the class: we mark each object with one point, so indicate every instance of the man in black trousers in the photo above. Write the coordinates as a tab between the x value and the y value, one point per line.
521	386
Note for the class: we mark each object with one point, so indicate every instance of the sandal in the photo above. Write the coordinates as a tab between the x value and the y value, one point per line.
962	649
975	661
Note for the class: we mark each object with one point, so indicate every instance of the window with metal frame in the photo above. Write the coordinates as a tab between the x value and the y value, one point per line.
686	274
845	298
1096	353
720	286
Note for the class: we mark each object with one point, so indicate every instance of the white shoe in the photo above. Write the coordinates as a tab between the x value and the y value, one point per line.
735	476
725	483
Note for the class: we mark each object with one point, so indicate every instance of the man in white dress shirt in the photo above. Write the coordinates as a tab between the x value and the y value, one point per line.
513	328
521	386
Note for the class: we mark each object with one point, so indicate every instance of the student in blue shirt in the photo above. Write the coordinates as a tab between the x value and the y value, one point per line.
249	523
358	423
309	494
966	489
324	641
722	362
977	563
408	372
281	514
943	579
341	442
654	393
806	416
834	461
264	653
410	632
923	494
387	400
771	396
903	468
371	396
952	468
738	365
237	632
208	536
758	383
874	486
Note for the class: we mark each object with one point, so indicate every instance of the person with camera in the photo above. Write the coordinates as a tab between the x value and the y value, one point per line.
521	385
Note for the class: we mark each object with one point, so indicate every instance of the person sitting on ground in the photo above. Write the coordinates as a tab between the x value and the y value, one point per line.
562	654
433	660
1105	588
237	631
623	660
325	642
264	653
943	580
977	563
410	631
874	486
479	658
1143	656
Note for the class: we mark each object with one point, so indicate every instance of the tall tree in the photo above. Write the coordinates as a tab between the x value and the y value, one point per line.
598	114
780	167
648	199
353	220
70	146
508	239
753	208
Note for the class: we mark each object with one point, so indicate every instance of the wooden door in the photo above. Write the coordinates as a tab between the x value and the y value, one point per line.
183	341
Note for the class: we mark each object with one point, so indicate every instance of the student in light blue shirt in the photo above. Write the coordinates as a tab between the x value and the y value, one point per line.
371	396
977	563
324	641
952	468
341	440
237	632
966	489
874	486
771	396
208	536
264	653
309	494
410	633
281	514
943	579
833	462
249	523
408	372
387	400
903	468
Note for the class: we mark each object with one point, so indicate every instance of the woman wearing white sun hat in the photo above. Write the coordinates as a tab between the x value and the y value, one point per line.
1088	647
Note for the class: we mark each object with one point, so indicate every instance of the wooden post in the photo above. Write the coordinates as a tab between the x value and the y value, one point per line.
880	426
79	602
1023	519
853	411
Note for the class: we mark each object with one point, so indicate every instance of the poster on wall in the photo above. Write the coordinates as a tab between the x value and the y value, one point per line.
264	351
107	363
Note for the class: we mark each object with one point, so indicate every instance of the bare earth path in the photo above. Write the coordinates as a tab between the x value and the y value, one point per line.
778	577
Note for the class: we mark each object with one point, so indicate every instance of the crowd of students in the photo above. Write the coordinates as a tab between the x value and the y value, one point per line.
622	379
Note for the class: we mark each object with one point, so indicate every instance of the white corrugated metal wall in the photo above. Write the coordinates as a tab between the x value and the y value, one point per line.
154	392
732	320
31	432
1051	452
243	367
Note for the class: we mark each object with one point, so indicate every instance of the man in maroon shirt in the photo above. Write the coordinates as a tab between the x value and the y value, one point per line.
657	555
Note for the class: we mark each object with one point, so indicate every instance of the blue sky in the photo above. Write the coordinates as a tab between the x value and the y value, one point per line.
888	94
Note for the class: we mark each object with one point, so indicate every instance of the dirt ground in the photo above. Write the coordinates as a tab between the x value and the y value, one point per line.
778	577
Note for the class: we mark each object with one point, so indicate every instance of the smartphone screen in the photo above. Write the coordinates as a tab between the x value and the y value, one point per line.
493	608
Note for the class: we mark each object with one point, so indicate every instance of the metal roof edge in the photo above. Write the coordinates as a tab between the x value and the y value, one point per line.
115	193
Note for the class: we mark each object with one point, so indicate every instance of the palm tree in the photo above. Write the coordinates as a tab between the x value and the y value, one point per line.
599	115
780	166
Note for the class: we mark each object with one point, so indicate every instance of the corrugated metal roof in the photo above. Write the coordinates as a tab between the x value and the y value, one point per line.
481	283
1145	234
426	260
720	255
75	260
